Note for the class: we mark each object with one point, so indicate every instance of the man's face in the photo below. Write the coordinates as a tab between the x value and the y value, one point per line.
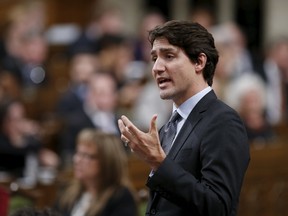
173	71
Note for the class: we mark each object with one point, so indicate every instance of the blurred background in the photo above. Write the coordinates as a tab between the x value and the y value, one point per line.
51	55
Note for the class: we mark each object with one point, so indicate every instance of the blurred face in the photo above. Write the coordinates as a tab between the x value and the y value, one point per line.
252	103
173	71
35	50
15	118
150	22
17	126
111	22
82	67
86	166
281	56
104	93
226	63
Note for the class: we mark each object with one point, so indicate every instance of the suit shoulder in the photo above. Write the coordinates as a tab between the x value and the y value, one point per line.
221	107
219	113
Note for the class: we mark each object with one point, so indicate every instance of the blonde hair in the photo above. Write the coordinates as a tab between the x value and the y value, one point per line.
113	167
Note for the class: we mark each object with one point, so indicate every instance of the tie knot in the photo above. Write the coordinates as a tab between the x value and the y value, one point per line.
175	117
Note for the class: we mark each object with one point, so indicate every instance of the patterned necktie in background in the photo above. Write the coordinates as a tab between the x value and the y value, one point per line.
170	130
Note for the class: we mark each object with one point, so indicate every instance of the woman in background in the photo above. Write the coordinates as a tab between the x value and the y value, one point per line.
101	185
247	95
22	149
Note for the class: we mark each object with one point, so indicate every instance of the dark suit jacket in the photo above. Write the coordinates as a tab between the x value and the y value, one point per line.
73	124
69	102
13	159
204	170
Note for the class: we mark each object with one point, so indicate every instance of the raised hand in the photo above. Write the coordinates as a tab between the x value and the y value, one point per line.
146	145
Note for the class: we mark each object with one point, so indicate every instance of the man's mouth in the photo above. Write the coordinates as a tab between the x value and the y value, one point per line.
163	81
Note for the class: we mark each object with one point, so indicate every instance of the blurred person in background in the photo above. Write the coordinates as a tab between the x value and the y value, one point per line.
83	64
115	57
25	44
274	71
24	16
142	46
247	95
98	111
21	147
204	15
144	94
133	81
104	20
114	54
148	102
234	57
101	102
101	185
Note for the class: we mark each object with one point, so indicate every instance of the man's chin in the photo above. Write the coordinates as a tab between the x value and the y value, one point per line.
165	95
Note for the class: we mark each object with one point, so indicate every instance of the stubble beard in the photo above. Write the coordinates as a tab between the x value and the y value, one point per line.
166	95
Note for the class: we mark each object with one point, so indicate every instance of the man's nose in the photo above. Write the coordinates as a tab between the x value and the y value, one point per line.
158	66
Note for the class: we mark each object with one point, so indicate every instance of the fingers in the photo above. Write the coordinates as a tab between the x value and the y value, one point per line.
131	127
123	131
125	140
126	135
144	144
127	128
128	132
136	138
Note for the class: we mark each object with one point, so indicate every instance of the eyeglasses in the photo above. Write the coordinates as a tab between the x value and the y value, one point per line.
85	156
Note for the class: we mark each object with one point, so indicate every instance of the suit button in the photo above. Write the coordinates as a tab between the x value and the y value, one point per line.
153	211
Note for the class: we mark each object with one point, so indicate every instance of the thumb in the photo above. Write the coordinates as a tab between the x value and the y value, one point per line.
153	124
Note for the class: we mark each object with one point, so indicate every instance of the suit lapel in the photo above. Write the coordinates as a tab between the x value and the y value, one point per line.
194	117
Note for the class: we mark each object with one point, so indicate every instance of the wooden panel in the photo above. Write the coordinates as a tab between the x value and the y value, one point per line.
64	11
70	11
5	5
138	171
265	189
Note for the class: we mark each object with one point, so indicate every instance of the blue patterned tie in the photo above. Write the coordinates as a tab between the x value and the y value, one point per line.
170	130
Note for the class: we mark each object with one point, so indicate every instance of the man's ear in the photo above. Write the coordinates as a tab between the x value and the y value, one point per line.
201	62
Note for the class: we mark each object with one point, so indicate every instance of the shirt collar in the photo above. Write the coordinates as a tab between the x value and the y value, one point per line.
185	108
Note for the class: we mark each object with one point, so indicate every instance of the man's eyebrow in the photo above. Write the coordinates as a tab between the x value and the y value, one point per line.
163	50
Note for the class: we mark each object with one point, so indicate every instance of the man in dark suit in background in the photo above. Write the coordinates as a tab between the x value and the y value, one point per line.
202	174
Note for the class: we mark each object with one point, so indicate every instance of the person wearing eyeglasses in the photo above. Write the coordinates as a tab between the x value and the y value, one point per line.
101	185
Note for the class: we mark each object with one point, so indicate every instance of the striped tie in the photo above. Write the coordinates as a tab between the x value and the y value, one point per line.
170	130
